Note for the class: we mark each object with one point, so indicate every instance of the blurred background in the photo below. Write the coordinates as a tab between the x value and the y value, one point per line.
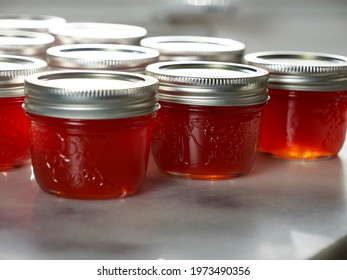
309	25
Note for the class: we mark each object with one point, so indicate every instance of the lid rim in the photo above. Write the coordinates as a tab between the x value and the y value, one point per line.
137	98
56	56
228	89
232	50
32	43
12	79
23	69
61	33
38	23
155	42
304	70
157	70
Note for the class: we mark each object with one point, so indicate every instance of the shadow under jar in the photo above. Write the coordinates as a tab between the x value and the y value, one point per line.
14	129
90	131
209	123
306	115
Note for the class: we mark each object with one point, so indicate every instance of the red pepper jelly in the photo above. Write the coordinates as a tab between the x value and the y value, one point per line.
90	131
209	123
14	136
306	115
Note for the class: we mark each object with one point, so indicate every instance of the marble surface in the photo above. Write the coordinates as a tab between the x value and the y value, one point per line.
281	210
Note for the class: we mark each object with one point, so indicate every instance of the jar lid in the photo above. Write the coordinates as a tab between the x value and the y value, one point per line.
20	42
90	94
210	83
97	33
195	48
302	70
102	56
39	23
13	70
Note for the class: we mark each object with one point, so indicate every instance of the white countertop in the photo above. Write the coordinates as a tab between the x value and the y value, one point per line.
281	210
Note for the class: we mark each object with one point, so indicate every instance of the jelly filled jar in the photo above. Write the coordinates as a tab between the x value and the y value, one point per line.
209	123
306	115
14	134
90	131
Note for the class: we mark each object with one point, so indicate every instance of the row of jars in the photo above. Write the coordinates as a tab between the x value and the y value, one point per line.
199	104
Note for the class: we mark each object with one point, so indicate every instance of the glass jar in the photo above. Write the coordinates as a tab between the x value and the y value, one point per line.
26	43
306	115
98	33
38	23
101	56
209	123
90	131
181	48
14	136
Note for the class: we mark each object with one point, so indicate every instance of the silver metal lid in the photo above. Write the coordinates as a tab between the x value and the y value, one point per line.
13	70
20	42
88	94
302	70
180	48
39	23
210	83
102	56
98	33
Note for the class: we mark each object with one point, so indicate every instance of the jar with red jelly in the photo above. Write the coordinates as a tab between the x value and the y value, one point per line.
97	33
101	57
210	118
14	135
182	48
90	131
306	115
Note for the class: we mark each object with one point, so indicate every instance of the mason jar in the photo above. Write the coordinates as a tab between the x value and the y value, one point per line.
37	23
14	134
181	48
306	115
25	43
90	131
101	56
98	33
210	118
